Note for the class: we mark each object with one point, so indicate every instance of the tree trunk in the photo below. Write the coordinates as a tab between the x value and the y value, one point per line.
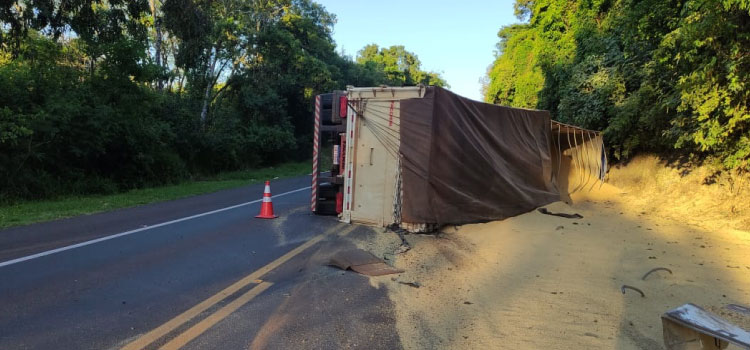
206	98
209	85
157	42
179	84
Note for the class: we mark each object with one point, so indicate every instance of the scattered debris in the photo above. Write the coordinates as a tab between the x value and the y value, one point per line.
689	321
739	308
563	215
414	284
405	246
559	227
654	270
625	286
362	262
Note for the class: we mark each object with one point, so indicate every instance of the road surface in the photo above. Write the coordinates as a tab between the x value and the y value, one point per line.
195	273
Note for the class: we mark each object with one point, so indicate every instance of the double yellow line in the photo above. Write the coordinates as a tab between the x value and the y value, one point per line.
208	322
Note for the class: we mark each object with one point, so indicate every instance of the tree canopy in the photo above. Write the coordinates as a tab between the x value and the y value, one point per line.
401	67
100	96
661	76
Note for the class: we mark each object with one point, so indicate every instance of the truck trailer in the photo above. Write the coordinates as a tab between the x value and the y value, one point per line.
421	157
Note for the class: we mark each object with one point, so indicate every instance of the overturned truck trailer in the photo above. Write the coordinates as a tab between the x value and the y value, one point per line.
422	157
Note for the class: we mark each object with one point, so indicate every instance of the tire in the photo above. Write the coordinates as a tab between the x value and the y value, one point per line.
326	101
327	190
326	116
326	207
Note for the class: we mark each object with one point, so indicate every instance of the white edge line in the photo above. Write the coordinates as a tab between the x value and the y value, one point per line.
106	238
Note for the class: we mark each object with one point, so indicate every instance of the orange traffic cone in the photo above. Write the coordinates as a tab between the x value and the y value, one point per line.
266	208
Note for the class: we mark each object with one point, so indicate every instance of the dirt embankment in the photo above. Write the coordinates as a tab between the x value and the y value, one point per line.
544	282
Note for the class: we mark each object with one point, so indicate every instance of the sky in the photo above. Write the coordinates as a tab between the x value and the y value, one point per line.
456	38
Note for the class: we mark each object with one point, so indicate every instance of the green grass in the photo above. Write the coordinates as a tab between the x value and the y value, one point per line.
25	213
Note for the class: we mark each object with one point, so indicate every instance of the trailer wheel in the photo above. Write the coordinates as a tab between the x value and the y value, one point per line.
326	101
326	207
326	116
327	190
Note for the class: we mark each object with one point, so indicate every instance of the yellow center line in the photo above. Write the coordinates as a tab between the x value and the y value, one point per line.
210	321
186	316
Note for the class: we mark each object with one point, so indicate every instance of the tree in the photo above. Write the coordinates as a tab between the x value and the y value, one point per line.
211	35
99	96
654	75
155	5
401	67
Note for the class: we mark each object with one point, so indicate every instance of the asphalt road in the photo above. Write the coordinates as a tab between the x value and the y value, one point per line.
222	280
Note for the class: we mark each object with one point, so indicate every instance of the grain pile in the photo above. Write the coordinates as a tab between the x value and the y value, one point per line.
537	281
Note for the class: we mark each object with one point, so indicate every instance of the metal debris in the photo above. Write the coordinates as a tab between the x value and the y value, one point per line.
654	270
563	215
625	286
414	284
739	308
362	262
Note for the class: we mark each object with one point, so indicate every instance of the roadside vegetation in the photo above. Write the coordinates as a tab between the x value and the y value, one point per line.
669	77
100	97
27	212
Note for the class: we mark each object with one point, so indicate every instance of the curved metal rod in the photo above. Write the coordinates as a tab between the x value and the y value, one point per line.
572	164
606	163
592	140
591	160
598	156
654	270
559	156
585	161
593	164
579	163
625	286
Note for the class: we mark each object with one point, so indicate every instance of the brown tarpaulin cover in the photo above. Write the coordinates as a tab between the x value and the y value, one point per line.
466	161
